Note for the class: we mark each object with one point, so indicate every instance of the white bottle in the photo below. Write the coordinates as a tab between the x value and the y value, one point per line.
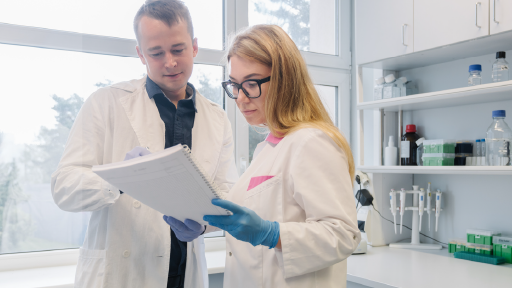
500	68
387	91
400	84
391	153
377	90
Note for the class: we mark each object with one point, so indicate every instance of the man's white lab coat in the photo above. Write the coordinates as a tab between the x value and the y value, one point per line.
127	243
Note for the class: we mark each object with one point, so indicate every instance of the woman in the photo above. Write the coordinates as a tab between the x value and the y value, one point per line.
294	218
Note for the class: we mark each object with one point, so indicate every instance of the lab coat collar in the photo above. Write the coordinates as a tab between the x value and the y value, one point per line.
273	139
153	89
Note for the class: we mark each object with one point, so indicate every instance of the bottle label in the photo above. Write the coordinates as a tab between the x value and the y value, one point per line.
405	150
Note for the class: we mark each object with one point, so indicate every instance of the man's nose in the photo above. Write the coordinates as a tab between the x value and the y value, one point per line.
170	61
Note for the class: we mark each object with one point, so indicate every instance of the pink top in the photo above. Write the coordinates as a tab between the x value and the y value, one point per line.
273	139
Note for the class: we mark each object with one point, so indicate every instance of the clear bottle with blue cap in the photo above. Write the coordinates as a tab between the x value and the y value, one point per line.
498	140
475	77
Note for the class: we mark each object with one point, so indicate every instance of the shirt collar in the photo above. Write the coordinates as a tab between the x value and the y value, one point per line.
153	90
273	139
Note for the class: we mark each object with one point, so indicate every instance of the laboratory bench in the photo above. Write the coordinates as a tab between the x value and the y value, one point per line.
380	267
384	267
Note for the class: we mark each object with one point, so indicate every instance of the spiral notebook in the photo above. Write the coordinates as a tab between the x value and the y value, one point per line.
170	181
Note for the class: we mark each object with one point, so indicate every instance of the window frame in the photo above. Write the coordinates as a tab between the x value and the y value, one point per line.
330	70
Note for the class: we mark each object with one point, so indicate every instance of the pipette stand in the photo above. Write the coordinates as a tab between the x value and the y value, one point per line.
415	233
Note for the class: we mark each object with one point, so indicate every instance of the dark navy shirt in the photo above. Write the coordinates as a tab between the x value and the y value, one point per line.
178	130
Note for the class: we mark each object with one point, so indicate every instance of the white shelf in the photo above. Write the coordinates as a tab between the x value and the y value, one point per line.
465	49
385	267
461	170
447	98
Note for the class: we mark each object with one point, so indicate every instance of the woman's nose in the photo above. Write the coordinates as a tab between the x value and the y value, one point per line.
242	98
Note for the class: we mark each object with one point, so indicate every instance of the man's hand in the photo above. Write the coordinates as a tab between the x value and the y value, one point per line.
136	152
187	231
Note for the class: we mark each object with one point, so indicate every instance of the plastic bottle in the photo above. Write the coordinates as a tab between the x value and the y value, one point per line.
419	151
408	147
400	84
500	68
391	153
478	148
498	140
377	90
387	90
475	77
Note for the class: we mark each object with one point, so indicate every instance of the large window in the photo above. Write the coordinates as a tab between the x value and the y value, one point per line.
311	24
108	17
49	72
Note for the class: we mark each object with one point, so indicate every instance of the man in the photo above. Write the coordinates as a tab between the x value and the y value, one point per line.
129	244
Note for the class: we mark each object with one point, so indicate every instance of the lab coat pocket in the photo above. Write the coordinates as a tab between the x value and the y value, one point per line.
266	199
90	271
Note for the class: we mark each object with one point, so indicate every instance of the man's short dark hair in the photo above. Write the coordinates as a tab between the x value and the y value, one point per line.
168	11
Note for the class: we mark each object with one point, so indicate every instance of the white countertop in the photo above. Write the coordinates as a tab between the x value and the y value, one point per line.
381	267
384	267
64	276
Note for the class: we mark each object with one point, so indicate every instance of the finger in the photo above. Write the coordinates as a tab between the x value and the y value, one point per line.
144	152
176	224
228	205
218	219
193	225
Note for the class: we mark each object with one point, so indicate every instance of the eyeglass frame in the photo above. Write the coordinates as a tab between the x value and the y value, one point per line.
239	86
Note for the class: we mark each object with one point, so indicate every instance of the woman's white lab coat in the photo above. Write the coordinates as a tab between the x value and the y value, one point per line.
127	243
310	194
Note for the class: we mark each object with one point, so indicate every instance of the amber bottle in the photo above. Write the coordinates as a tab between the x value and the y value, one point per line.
408	147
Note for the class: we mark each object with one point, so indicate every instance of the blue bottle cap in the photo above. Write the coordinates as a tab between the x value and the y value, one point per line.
475	67
477	140
499	113
482	140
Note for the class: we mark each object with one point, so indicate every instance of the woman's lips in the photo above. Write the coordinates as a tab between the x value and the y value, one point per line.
248	112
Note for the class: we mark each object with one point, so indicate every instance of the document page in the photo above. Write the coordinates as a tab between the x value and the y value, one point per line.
168	183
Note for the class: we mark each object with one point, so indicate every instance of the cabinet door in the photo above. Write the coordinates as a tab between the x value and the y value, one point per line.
443	22
501	16
383	29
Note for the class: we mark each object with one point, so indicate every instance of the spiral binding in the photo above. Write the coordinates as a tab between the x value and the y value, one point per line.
207	180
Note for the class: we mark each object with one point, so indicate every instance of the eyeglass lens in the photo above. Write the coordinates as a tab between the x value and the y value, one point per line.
251	87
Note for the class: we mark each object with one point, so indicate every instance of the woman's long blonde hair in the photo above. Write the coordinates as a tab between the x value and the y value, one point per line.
292	101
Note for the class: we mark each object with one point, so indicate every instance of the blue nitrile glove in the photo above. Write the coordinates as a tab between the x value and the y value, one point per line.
187	231
245	225
136	152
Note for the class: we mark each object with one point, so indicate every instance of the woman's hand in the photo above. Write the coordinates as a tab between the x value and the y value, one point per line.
245	225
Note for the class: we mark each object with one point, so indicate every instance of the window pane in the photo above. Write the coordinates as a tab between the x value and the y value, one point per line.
45	92
311	24
256	135
328	95
109	18
207	79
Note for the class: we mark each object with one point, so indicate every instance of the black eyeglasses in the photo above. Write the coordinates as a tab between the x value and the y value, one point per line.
250	87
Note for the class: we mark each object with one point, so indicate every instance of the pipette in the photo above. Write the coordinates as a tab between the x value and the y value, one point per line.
421	204
429	204
392	199
402	208
438	205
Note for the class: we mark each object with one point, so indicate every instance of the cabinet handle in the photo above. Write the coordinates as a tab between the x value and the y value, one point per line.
497	22
476	15
403	34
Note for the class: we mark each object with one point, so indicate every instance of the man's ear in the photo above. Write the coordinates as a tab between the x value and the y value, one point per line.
195	47
141	56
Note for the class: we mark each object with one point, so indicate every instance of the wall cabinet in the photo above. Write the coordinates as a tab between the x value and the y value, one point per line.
383	29
500	16
440	22
387	29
